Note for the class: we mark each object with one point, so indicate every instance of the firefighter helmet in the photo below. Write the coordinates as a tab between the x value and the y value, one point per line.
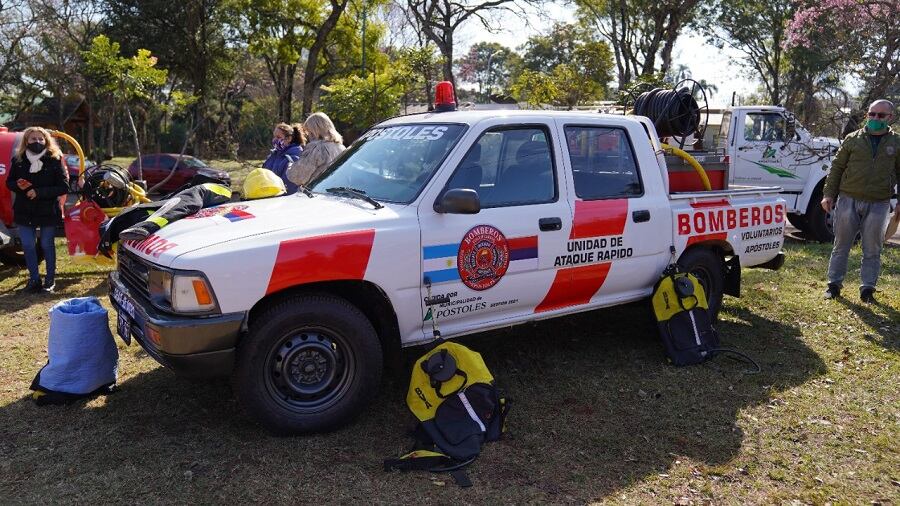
262	183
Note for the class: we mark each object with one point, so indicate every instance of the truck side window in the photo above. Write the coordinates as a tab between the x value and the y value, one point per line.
603	164
509	167
764	127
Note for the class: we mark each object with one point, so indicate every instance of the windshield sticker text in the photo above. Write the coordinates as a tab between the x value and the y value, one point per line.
408	133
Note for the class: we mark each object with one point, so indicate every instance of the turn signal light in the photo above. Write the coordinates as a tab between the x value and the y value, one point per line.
201	292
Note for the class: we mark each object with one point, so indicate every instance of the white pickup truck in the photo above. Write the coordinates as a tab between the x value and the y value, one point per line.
767	146
471	220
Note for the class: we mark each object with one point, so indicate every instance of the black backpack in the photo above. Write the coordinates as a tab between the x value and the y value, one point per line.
682	314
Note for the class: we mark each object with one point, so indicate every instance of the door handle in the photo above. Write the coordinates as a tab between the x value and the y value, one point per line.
640	216
548	224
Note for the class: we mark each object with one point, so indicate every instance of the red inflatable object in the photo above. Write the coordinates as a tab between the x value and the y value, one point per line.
83	228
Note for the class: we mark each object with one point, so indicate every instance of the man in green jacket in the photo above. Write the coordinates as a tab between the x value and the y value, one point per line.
864	174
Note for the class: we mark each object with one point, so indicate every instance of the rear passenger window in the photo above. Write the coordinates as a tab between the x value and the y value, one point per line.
509	167
603	163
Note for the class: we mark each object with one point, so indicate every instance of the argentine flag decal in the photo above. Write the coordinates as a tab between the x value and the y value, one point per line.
440	261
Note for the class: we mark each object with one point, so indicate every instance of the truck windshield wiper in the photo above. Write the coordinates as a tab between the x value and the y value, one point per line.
306	191
355	193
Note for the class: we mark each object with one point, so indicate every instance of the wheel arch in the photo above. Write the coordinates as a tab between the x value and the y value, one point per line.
366	296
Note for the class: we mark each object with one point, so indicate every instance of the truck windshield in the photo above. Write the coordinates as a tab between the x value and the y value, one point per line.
392	163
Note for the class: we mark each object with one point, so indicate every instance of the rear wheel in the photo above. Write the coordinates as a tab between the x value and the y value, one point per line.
309	364
707	266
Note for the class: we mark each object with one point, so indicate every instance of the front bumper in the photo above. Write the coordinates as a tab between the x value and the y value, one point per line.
198	346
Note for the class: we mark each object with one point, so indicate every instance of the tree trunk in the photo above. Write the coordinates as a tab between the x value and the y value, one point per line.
137	144
312	60
89	100
111	134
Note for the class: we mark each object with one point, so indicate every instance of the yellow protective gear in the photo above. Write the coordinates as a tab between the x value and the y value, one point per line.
262	183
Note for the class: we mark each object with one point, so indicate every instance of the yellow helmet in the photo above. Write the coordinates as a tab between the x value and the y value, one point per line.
261	183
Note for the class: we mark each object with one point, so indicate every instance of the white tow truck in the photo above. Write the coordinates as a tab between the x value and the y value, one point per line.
766	146
478	220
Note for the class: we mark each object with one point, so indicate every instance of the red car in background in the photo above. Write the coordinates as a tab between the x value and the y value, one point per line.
157	166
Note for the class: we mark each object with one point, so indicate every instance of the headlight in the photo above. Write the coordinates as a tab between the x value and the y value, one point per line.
160	284
187	292
191	293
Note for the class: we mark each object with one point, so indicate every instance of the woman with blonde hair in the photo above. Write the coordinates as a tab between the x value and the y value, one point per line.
287	144
325	144
37	178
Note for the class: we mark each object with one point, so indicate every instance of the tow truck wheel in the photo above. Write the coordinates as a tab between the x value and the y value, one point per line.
821	224
707	266
309	364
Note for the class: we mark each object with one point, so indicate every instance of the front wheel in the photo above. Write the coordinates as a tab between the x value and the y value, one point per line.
709	269
821	224
309	364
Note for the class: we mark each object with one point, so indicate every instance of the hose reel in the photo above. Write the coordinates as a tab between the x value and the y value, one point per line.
678	112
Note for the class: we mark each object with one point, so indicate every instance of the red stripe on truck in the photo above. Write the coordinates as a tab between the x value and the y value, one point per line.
595	218
329	257
574	286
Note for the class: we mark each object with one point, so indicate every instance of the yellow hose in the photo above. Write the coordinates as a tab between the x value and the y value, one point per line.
684	155
71	140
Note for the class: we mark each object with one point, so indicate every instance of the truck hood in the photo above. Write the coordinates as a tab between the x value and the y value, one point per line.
239	220
825	142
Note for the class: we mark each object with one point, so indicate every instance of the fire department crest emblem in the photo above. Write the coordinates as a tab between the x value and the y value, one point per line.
483	257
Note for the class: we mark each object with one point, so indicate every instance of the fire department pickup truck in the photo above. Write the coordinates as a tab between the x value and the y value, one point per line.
465	220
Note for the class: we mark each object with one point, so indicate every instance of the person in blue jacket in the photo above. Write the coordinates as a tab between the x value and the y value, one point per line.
287	143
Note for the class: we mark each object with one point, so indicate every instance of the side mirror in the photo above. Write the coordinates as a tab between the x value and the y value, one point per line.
458	201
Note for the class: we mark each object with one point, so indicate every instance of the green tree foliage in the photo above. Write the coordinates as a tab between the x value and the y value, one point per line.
190	38
126	79
489	65
756	29
576	72
425	65
356	103
440	19
639	31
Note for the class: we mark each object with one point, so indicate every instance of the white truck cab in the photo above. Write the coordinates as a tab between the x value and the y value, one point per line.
767	146
468	220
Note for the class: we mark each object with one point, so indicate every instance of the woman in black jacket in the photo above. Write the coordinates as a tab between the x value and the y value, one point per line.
37	178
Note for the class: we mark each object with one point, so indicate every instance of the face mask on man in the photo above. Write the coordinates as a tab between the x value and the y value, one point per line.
874	125
36	147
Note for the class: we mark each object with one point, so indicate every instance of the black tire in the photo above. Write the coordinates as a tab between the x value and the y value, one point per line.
341	358
709	268
821	224
798	221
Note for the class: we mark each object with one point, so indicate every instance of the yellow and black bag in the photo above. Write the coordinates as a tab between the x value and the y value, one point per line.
682	314
453	395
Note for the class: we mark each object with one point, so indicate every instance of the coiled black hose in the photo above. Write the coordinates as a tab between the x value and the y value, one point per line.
107	185
673	112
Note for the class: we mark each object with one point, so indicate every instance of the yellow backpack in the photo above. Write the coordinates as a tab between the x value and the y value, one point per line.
453	395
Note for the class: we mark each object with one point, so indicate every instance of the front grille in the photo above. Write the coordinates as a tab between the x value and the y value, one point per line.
134	273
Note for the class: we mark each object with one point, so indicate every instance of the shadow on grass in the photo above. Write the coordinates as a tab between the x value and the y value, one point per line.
15	300
595	409
887	327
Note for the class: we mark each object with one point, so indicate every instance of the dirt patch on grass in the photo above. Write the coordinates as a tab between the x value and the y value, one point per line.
597	414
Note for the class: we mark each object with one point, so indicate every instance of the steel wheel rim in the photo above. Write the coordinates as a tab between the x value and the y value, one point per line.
309	370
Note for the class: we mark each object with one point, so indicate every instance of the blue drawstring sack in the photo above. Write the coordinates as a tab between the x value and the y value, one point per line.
82	354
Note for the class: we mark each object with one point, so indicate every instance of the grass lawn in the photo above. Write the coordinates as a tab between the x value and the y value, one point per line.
597	414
